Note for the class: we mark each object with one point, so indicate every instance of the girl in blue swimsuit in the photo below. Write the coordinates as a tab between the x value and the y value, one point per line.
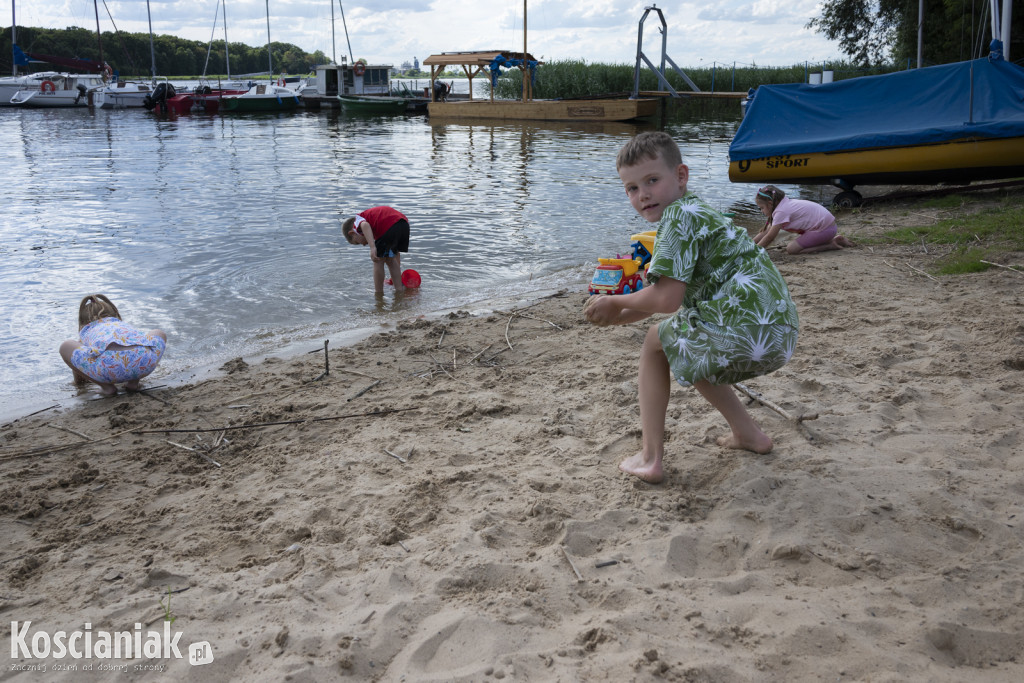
109	351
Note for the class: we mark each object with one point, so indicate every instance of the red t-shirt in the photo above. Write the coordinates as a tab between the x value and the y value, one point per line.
381	218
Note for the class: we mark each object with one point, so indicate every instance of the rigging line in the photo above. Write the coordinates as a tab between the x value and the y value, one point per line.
120	38
209	47
981	31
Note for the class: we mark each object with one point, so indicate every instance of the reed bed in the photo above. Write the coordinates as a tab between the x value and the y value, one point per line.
576	78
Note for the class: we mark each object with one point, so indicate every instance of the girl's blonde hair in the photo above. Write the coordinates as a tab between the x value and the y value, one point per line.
348	227
649	145
94	307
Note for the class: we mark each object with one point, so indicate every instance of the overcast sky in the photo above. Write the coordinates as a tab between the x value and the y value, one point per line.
763	32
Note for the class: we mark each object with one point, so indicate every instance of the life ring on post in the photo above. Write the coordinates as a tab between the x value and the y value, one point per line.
359	69
280	82
107	73
48	86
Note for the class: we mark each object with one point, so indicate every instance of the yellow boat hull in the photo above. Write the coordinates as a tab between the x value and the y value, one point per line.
956	161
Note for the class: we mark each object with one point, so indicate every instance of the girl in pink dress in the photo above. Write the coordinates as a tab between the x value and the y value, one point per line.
813	224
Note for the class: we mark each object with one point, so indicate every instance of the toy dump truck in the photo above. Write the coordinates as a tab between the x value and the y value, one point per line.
624	275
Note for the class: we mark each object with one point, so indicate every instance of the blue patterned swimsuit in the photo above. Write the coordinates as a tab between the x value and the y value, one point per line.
138	357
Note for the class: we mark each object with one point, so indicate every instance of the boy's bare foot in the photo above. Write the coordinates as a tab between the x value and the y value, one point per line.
757	443
133	385
651	472
108	390
843	241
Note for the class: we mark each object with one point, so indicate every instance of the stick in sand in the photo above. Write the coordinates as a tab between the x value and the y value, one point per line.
765	402
360	393
196	451
252	425
507	325
396	457
918	270
579	577
70	431
999	265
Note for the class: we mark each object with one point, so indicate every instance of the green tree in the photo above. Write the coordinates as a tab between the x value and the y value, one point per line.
873	31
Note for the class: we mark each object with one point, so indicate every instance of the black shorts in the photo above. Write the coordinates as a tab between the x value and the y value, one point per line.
396	239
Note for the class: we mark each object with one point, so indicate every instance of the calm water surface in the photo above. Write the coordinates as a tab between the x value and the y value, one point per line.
224	231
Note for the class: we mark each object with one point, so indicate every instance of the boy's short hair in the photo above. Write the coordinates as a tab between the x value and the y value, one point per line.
650	145
347	228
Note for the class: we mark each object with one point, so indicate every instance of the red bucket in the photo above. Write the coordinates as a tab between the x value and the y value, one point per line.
410	278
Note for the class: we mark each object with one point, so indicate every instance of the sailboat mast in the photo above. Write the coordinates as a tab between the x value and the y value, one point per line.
351	59
334	50
99	39
152	49
1007	13
227	57
524	51
270	62
14	41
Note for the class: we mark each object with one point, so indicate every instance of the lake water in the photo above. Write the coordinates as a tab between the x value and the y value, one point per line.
224	231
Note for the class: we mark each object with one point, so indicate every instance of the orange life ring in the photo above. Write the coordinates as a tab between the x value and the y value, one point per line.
280	82
107	73
48	86
359	69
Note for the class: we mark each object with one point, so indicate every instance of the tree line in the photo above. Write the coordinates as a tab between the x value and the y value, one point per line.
875	31
128	54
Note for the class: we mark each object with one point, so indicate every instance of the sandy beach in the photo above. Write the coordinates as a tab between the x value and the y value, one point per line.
445	503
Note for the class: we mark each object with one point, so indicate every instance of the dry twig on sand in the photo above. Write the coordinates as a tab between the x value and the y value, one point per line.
361	392
999	265
765	402
579	577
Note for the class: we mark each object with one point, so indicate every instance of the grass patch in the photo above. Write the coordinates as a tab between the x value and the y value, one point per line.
981	232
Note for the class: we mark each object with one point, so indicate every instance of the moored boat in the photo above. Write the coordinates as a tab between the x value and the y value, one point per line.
956	122
122	95
262	97
373	105
62	90
27	82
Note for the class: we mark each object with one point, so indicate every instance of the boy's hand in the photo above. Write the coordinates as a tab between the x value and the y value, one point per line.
373	254
601	310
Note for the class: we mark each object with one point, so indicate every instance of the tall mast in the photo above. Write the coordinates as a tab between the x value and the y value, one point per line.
99	39
14	41
227	57
524	51
334	50
270	62
152	50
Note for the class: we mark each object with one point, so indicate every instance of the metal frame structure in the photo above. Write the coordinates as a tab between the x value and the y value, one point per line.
660	73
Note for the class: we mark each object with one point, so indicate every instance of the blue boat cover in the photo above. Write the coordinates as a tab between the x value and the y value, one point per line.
981	98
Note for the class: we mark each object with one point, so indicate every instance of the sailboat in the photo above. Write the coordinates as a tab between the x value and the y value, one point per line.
951	123
526	108
120	94
53	88
264	97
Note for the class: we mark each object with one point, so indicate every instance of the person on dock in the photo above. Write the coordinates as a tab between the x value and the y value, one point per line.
814	225
109	351
386	231
731	315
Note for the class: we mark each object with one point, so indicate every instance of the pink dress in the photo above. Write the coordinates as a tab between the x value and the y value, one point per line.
813	222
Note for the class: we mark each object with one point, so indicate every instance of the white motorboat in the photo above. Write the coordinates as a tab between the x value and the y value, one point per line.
122	95
12	84
62	90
